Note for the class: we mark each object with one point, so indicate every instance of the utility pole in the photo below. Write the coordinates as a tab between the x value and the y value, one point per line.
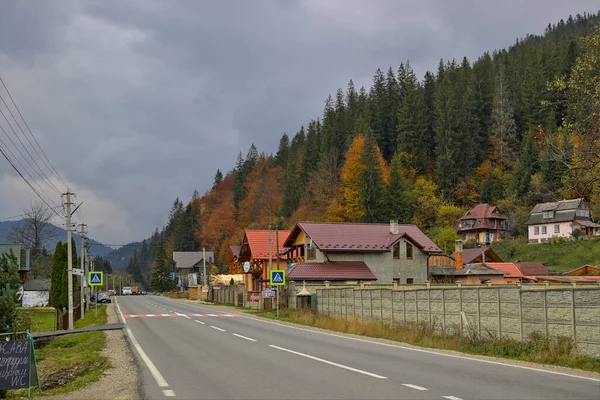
277	258
69	258
204	266
84	275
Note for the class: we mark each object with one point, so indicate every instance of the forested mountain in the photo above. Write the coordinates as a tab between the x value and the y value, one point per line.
512	128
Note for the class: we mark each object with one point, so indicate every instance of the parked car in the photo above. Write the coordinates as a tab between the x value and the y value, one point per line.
104	298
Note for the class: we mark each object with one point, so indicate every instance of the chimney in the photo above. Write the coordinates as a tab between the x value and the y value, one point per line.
483	256
458	252
394	227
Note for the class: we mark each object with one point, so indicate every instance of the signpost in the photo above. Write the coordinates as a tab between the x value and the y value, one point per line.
277	278
96	278
18	366
77	271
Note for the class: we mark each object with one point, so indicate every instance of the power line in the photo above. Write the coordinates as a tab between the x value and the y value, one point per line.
29	184
46	180
45	158
22	215
25	169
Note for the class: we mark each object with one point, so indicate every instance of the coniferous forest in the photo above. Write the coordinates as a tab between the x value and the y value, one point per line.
512	128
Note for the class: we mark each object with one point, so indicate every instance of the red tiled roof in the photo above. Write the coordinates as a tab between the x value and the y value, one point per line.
510	269
481	211
258	240
330	271
357	237
532	268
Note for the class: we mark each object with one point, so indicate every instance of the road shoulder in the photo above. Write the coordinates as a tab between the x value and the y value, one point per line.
121	381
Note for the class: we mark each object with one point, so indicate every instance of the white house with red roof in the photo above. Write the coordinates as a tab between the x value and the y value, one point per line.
349	251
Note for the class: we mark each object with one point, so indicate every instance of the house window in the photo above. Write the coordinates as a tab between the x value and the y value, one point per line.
409	281
544	230
409	251
556	228
548	214
582	213
397	251
536	230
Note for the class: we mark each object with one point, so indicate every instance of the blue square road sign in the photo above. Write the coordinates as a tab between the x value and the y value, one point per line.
277	277
96	278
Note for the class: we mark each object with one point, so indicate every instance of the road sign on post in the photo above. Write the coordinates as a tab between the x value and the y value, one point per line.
96	278
277	277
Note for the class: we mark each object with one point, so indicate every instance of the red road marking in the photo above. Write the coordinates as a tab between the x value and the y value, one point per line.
178	315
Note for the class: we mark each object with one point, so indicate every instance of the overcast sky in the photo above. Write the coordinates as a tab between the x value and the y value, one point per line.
138	102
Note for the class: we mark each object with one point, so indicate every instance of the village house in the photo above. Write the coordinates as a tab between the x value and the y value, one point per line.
561	219
478	255
261	247
391	252
191	263
512	274
484	224
232	259
585	270
23	258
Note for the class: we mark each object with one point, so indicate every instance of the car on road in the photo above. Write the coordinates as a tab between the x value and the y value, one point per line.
126	290
103	298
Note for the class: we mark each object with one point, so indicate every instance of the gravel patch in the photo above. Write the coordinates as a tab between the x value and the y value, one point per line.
552	368
121	382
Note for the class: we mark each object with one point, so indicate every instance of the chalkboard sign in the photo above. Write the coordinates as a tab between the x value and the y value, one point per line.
17	365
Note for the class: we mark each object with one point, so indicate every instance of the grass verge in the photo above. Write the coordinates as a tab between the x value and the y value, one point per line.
38	319
71	362
554	351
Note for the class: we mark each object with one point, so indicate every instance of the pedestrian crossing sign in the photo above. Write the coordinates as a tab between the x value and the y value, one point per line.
96	278
277	277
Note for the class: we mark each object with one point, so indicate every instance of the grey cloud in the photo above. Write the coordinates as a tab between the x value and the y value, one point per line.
155	95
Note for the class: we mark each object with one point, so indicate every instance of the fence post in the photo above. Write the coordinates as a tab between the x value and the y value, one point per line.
429	303
573	315
499	315
417	305
478	311
546	312
362	306
443	310
381	304
404	306
520	313
392	300
462	327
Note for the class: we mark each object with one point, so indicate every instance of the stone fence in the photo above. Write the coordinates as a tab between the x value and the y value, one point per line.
500	311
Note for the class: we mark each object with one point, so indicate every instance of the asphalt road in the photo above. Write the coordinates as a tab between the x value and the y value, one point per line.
193	352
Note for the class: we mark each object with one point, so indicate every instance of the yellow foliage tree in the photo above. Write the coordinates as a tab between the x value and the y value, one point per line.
350	178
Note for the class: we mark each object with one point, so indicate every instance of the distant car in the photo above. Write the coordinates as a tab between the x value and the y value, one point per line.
126	290
104	298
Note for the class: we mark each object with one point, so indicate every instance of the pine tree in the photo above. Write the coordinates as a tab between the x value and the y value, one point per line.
371	183
484	80
527	165
310	162
429	100
216	182
412	122
283	151
162	280
9	276
292	189
503	129
398	192
238	183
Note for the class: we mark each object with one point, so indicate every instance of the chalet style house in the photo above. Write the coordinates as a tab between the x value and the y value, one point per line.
560	219
484	224
260	248
356	252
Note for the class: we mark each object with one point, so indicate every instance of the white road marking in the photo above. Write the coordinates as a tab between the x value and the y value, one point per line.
219	329
452	398
169	393
244	337
183	315
200	322
160	381
414	386
329	362
421	350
